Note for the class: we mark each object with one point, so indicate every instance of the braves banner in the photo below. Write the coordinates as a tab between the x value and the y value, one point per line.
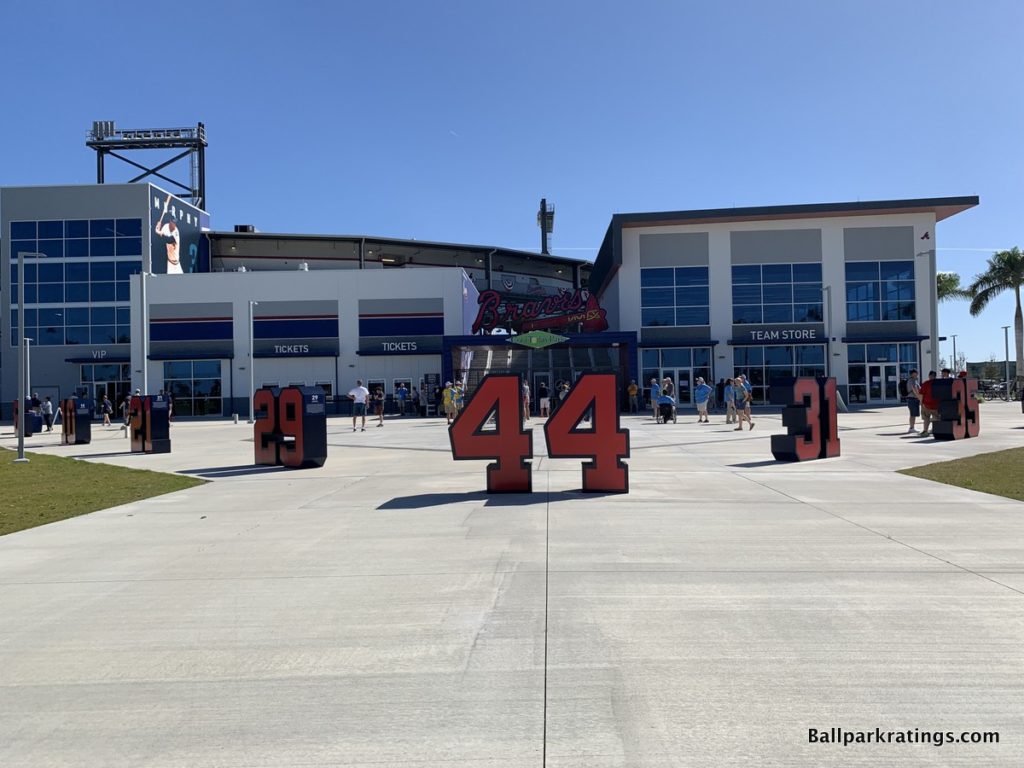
559	311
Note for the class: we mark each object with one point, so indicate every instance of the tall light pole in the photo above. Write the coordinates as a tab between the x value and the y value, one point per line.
1006	354
252	364
828	338
22	357
955	366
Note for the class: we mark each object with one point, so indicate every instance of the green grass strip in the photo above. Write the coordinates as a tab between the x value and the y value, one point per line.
1000	473
52	488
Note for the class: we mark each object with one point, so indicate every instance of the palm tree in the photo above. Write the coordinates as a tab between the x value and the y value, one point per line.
947	286
1005	272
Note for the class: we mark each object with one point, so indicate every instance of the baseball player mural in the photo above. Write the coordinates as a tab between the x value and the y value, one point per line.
176	240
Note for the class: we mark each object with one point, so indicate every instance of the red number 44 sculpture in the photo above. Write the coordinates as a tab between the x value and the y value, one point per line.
585	426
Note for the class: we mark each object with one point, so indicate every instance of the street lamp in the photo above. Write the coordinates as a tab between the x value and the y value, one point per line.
22	355
252	362
955	365
828	337
1006	359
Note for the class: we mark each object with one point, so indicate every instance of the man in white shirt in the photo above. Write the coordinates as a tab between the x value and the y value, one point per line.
358	395
172	239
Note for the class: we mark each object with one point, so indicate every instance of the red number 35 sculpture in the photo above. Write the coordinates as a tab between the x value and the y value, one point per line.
603	442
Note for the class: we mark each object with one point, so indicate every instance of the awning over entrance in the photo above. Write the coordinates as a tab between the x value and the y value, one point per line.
881	339
99	360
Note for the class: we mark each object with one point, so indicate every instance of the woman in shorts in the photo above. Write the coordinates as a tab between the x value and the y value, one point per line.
378	406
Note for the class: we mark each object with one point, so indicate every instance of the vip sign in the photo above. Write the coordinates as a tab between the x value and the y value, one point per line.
567	434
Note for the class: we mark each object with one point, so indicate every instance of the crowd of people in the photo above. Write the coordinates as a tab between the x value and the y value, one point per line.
921	402
732	395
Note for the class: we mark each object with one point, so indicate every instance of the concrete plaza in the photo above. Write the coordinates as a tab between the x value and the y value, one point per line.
384	611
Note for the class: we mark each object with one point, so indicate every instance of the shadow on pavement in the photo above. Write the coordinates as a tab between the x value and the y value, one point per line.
236	471
423	500
753	464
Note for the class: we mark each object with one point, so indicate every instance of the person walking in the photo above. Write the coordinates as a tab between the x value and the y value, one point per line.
48	413
401	394
448	401
106	409
913	399
378	405
655	390
729	395
358	395
741	399
545	399
701	395
929	405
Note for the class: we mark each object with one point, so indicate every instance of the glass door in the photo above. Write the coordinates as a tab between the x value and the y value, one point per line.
681	383
883	383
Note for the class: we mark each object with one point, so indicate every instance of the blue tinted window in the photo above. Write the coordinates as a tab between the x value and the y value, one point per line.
691	297
103	334
77	316
656	297
76	228
102	270
77	292
51	229
657	316
776	273
810	354
807	273
649	357
51	273
746	294
179	369
129	246
53	249
101	292
124	315
745	356
101	228
50	293
76	335
778	313
50	317
103	316
702	357
891	270
124	269
30	293
123	292
124	334
76	249
746	314
651	278
691	276
862	312
746	274
23	230
50	336
778	294
206	369
861	291
693	316
861	270
778	355
101	246
807	313
77	271
808	292
129	227
676	358
21	246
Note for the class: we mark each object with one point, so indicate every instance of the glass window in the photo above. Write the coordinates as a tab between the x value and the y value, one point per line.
691	297
124	315
746	274
77	292
77	271
101	247
54	249
777	273
76	249
862	312
51	317
656	297
103	334
702	359
778	313
888	285
650	278
855	353
807	293
890	270
123	292
124	269
76	334
178	369
746	294
861	270
778	356
686	276
51	272
102	316
807	273
676	358
128	227
881	353
693	316
50	293
206	369
808	313
657	316
810	354
23	230
77	316
129	246
53	230
778	294
649	358
746	315
102	270
21	246
101	228
101	292
76	228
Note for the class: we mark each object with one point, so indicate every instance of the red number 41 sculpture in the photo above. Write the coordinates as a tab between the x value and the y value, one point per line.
567	434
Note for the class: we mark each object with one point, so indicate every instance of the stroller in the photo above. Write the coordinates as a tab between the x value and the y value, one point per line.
666	409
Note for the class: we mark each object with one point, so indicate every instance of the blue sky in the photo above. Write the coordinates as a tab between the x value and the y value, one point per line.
450	120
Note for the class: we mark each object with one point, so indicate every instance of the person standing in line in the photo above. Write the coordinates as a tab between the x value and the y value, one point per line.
729	395
655	390
633	391
545	399
48	413
378	406
401	394
701	395
358	395
913	399
929	404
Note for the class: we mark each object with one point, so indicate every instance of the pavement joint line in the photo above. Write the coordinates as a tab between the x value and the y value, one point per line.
547	581
902	543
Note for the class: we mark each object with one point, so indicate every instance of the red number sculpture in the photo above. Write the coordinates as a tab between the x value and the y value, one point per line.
811	420
604	443
958	409
508	442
